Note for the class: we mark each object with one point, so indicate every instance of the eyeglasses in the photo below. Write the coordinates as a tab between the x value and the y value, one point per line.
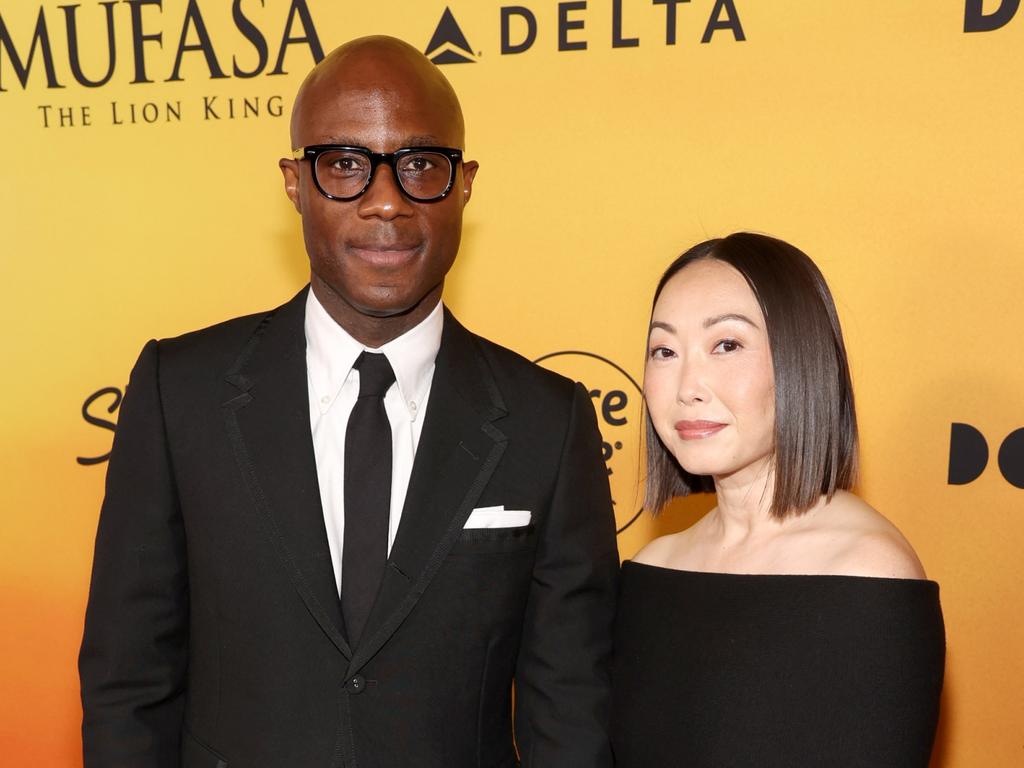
424	174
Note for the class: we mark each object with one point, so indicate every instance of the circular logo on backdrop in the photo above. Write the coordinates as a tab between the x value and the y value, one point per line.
617	399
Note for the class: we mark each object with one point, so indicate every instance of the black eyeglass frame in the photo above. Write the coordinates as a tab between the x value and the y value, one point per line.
313	152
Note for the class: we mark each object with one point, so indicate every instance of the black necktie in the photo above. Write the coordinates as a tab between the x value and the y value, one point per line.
367	493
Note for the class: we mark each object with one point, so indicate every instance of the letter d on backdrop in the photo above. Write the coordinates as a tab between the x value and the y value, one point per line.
976	20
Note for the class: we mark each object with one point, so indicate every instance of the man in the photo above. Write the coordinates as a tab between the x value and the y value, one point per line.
335	533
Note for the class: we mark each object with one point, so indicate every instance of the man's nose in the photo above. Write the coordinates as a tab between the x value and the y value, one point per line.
383	198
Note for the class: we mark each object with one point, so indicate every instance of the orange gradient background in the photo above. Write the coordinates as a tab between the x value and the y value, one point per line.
877	136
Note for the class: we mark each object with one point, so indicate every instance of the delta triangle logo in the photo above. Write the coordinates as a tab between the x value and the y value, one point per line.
448	45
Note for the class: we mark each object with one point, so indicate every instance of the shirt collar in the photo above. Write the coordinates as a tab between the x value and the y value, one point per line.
331	352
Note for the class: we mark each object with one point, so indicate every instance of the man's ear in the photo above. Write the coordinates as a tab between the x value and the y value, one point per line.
290	170
469	170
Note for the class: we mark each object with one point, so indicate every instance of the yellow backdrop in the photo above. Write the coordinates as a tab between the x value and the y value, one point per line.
141	198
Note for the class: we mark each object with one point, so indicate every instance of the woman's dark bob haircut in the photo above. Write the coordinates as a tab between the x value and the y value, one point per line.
815	423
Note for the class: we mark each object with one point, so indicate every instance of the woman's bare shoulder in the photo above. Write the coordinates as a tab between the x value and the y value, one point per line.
655	552
665	551
863	542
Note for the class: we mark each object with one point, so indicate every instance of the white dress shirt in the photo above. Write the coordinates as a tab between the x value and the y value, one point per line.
333	389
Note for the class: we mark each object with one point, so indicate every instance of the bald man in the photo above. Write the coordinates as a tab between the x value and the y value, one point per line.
336	533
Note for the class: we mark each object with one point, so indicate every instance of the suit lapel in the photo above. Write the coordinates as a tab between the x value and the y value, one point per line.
268	423
457	453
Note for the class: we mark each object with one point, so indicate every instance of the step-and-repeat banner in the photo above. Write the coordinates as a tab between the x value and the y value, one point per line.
141	198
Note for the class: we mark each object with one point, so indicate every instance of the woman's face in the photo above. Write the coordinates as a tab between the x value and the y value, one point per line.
709	382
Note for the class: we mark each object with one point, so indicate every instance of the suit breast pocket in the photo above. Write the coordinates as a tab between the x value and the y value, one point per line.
482	541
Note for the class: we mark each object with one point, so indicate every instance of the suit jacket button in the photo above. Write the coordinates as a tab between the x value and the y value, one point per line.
356	684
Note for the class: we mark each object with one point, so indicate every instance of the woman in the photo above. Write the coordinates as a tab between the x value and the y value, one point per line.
792	625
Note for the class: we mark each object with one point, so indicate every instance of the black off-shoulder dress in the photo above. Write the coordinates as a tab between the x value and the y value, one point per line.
722	670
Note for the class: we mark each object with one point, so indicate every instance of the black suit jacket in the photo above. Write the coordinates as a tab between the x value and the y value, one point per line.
212	635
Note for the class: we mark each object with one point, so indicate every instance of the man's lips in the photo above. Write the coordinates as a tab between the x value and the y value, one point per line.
698	430
385	254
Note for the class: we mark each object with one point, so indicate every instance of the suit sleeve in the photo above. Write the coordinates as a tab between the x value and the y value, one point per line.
133	658
562	674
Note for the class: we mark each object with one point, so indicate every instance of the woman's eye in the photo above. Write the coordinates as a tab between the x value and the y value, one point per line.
660	353
727	345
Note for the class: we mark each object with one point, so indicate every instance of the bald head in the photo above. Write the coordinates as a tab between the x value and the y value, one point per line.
378	259
386	67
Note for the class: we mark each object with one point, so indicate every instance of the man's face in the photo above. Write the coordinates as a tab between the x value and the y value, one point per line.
381	254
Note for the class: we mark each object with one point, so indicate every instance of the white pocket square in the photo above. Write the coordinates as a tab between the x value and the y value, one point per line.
498	517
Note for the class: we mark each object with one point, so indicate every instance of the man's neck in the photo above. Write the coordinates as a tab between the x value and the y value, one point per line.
373	331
